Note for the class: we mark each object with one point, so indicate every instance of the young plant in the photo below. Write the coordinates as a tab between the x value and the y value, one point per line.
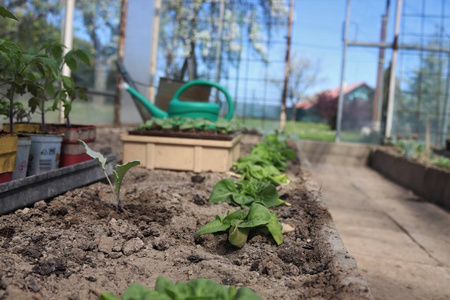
60	88
244	193
239	224
201	288
21	73
118	173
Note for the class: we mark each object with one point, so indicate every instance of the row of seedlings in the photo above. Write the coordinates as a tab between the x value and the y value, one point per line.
255	192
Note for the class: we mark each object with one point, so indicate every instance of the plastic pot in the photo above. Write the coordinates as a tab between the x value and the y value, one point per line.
8	150
23	151
72	152
45	152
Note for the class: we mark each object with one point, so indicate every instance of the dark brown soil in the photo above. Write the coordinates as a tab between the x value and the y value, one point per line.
204	135
76	245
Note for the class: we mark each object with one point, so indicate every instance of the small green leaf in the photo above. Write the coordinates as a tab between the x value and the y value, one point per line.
163	283
245	293
275	229
222	191
257	215
234	216
67	108
7	14
212	227
68	83
107	296
289	154
71	63
120	172
238	236
281	202
138	292
95	155
84	56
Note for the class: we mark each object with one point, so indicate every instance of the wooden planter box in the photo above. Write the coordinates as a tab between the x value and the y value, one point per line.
183	154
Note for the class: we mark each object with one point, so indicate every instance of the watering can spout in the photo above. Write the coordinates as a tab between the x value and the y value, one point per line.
153	109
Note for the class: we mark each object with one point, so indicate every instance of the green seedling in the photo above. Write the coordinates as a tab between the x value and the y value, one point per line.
190	125
118	173
239	224
268	173
410	148
441	161
266	161
196	289
244	193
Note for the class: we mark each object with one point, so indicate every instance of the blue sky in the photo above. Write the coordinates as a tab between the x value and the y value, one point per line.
318	28
317	33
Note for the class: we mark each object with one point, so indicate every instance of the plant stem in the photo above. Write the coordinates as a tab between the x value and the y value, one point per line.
116	194
11	103
110	183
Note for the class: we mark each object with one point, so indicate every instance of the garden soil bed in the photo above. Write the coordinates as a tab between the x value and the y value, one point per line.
76	245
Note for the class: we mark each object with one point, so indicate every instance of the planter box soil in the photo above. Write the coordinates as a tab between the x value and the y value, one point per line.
183	154
203	135
76	245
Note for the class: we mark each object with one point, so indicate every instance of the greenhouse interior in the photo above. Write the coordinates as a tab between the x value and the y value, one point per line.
166	149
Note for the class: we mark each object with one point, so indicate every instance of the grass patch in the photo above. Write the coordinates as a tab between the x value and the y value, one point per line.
304	130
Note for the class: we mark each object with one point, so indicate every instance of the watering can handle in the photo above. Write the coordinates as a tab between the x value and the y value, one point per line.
208	83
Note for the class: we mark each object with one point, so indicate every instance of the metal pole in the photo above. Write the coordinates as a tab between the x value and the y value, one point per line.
219	46
120	56
378	97
68	42
286	66
341	90
155	38
447	106
391	98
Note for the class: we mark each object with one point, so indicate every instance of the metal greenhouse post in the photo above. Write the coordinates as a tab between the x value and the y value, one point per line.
120	56
391	98
68	42
154	50
447	106
219	47
286	67
341	90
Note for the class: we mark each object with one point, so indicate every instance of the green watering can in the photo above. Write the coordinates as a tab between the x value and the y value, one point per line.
187	109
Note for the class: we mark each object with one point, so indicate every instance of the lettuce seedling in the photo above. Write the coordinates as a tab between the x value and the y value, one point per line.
266	161
244	193
200	288
118	173
239	224
251	171
190	124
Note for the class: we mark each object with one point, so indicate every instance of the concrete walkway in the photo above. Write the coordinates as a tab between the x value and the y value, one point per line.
402	244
